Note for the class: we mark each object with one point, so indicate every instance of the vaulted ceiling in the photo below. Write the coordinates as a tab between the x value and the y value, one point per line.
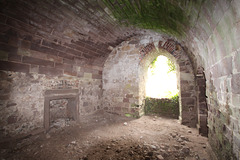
99	25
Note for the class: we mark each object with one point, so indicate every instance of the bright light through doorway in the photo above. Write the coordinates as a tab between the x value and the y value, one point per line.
161	83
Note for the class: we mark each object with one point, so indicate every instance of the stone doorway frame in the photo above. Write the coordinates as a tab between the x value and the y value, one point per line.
73	103
191	114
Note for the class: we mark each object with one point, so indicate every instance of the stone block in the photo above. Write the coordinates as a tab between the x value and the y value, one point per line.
14	58
236	83
203	106
80	74
34	68
8	49
36	47
186	76
76	45
223	68
118	99
235	99
61	92
236	139
234	124
87	70
93	53
188	101
12	66
74	52
236	151
70	73
25	44
54	58
68	61
50	71
66	67
65	55
96	76
24	52
3	56
54	45
235	4
236	61
37	61
87	75
125	109
203	125
21	26
185	94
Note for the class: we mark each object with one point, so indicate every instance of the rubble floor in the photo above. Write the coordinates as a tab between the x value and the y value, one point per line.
106	136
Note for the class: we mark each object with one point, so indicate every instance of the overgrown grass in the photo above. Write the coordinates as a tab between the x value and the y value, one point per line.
167	107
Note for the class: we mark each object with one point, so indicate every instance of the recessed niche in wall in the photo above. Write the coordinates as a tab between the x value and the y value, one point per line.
60	106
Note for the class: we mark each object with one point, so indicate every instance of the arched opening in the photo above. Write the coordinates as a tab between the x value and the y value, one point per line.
162	92
161	79
162	84
185	77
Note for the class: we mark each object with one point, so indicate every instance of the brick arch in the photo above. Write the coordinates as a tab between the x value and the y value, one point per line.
185	74
124	75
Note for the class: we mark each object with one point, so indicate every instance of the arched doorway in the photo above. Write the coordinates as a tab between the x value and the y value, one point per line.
161	78
125	74
162	87
185	75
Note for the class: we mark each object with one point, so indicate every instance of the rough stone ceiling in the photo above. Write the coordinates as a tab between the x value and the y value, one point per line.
96	22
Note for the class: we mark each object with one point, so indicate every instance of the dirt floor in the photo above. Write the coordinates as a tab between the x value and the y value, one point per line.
105	136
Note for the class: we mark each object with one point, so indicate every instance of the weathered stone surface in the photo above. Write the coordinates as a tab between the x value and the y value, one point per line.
236	61
36	61
12	66
23	108
236	83
7	48
50	71
15	58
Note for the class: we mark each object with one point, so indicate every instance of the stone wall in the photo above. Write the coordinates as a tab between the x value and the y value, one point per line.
22	99
120	80
125	73
215	42
40	49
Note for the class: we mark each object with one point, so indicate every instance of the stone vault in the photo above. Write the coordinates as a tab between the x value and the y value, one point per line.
96	48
